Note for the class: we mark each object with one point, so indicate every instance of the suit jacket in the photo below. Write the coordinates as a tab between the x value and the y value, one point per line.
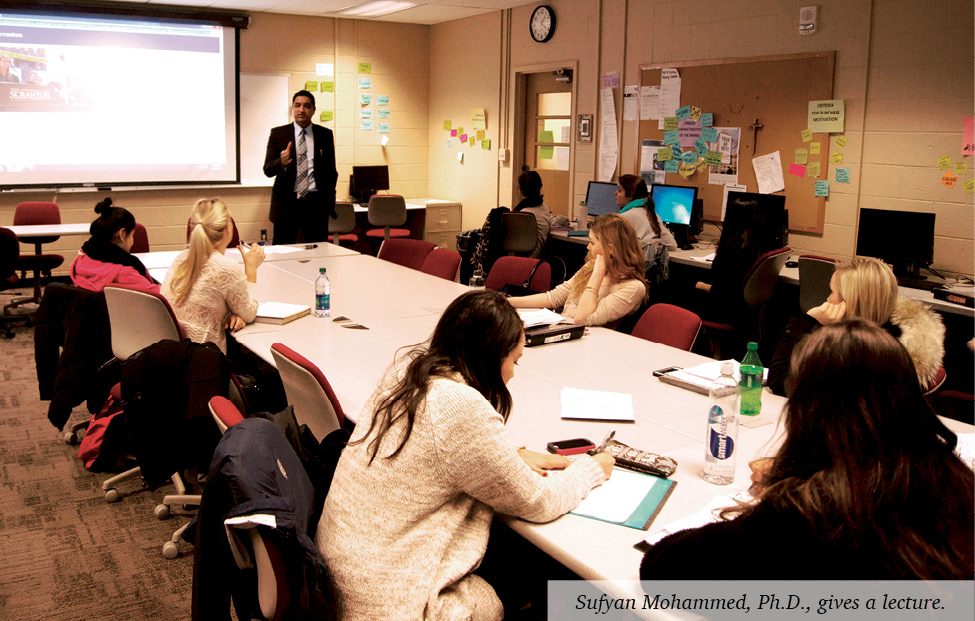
282	194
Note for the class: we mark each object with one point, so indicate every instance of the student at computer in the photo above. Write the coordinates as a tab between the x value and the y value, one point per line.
610	285
208	291
638	209
530	187
867	288
407	517
105	258
865	485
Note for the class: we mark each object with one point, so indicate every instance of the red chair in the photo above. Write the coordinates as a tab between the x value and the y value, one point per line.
814	276
341	227
936	382
234	241
442	262
141	241
387	211
37	212
406	252
516	270
309	393
669	325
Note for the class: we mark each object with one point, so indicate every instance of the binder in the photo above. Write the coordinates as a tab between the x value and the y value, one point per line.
613	502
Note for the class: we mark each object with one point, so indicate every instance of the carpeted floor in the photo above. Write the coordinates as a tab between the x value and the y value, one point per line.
64	552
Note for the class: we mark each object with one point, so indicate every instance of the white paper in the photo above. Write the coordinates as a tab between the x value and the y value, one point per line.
566	134
385	140
768	173
596	404
154	260
279	310
538	316
705	259
650	102
730	187
669	93
562	158
965	449
705	516
325	69
616	499
648	159
727	144
631	103
608	141
276	250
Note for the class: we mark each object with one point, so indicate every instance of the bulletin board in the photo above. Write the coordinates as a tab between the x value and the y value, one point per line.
776	90
265	102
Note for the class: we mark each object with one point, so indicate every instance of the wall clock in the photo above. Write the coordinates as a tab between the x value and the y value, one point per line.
542	23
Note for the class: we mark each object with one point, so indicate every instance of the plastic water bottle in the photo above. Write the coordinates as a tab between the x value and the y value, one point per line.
721	441
582	216
323	290
751	382
477	279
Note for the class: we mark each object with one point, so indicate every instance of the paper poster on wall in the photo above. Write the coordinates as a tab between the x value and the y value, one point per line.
669	93
325	69
611	80
608	142
631	103
650	102
968	137
768	173
724	199
688	132
826	116
562	158
727	144
651	166
479	118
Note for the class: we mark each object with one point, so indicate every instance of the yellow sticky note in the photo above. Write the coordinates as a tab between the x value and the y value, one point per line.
460	130
664	154
686	170
961	168
446	126
696	113
814	148
969	185
479	118
949	179
311	86
480	134
486	144
836	158
328	87
841	141
326	115
944	162
806	135
813	169
471	140
365	67
802	156
702	164
670	122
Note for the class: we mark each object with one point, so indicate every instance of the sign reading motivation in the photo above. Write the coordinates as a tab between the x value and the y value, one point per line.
826	116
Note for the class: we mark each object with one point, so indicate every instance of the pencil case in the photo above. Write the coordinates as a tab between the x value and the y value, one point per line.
641	461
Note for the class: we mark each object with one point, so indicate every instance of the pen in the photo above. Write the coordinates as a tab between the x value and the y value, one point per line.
602	445
311	246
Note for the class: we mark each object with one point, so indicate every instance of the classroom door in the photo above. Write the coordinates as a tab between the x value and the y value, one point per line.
548	136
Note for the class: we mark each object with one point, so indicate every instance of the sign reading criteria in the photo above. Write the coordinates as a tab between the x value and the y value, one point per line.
826	116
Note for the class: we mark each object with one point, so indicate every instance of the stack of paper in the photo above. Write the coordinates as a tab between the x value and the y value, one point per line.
280	313
578	403
538	317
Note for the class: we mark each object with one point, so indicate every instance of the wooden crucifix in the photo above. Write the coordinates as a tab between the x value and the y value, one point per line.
755	127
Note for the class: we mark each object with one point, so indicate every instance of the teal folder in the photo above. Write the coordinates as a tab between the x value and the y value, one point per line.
648	509
578	233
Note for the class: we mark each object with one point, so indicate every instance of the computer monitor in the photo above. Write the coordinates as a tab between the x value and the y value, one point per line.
775	214
905	239
697	218
367	180
674	203
601	198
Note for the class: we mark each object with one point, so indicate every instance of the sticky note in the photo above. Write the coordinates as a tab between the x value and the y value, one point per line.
842	175
949	180
713	158
480	134
461	137
686	170
969	185
449	143
471	140
695	113
365	82
670	137
707	119
365	114
671	166
944	162
547	136
326	115
383	114
365	125
689	157
684	112
486	144
701	146
813	169
822	188
702	164
671	122
546	152
460	130
664	154
802	156
961	168
676	151
384	128
836	158
797	169
365	100
460	157
365	67
814	148
311	86
446	126
382	100
806	135
385	139
709	134
453	133
328	87
841	141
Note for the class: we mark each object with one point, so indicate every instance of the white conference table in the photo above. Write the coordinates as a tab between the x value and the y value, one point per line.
28	232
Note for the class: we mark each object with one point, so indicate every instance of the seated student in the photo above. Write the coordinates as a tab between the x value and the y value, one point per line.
530	187
638	209
867	288
610	285
207	290
407	517
104	259
865	485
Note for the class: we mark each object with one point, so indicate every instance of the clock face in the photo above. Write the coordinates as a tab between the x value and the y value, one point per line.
542	24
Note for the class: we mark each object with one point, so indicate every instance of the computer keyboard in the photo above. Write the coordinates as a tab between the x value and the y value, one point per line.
916	283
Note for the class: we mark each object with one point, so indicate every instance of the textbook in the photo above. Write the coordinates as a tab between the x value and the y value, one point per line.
280	313
699	378
628	498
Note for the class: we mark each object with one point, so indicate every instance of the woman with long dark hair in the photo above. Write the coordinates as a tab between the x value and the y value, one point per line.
532	201
105	258
637	208
407	517
865	485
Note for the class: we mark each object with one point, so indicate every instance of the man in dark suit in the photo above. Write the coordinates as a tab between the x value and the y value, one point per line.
301	158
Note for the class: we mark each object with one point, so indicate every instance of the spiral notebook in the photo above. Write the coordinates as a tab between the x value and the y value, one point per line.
628	498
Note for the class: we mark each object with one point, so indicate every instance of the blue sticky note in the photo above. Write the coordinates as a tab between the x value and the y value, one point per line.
676	151
382	100
822	188
684	112
842	175
383	114
689	157
365	82
384	128
671	166
701	147
707	119
365	100
709	133
670	137
365	114
365	125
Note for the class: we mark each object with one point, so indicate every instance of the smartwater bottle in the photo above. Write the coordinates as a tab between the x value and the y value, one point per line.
323	290
720	443
750	384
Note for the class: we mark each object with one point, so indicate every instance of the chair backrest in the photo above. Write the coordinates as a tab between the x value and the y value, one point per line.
406	252
669	325
234	241
521	232
309	393
9	253
38	212
344	222
442	262
387	210
936	382
760	281
138	318
814	276
141	241
515	270
224	413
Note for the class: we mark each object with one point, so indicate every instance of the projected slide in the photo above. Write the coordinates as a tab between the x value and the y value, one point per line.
96	101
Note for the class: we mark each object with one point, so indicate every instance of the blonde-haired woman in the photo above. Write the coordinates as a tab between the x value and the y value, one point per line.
867	288
610	285
207	290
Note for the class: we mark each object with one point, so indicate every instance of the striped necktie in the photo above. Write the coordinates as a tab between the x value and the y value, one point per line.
301	182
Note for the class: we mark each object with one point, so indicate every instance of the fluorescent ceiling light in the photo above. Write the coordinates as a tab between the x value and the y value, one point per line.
377	8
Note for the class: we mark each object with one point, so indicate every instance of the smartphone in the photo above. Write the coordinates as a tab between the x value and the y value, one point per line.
575	446
665	370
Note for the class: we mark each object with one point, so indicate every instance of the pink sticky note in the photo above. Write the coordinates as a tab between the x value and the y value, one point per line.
453	133
463	137
968	140
797	169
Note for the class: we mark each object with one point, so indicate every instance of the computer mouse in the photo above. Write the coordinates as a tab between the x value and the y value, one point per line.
792	264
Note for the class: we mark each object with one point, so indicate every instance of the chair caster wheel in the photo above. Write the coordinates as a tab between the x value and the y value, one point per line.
162	512
170	550
70	437
111	495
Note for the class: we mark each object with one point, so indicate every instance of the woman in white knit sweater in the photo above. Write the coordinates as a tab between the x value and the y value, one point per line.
407	517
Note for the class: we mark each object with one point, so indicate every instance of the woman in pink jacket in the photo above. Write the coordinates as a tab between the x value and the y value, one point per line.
104	259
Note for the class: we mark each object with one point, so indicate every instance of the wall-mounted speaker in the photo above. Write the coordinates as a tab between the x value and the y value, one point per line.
807	19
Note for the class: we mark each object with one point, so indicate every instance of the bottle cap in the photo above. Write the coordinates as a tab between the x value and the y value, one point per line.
753	346
321	270
727	368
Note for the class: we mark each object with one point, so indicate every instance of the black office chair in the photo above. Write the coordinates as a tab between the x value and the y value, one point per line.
9	255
